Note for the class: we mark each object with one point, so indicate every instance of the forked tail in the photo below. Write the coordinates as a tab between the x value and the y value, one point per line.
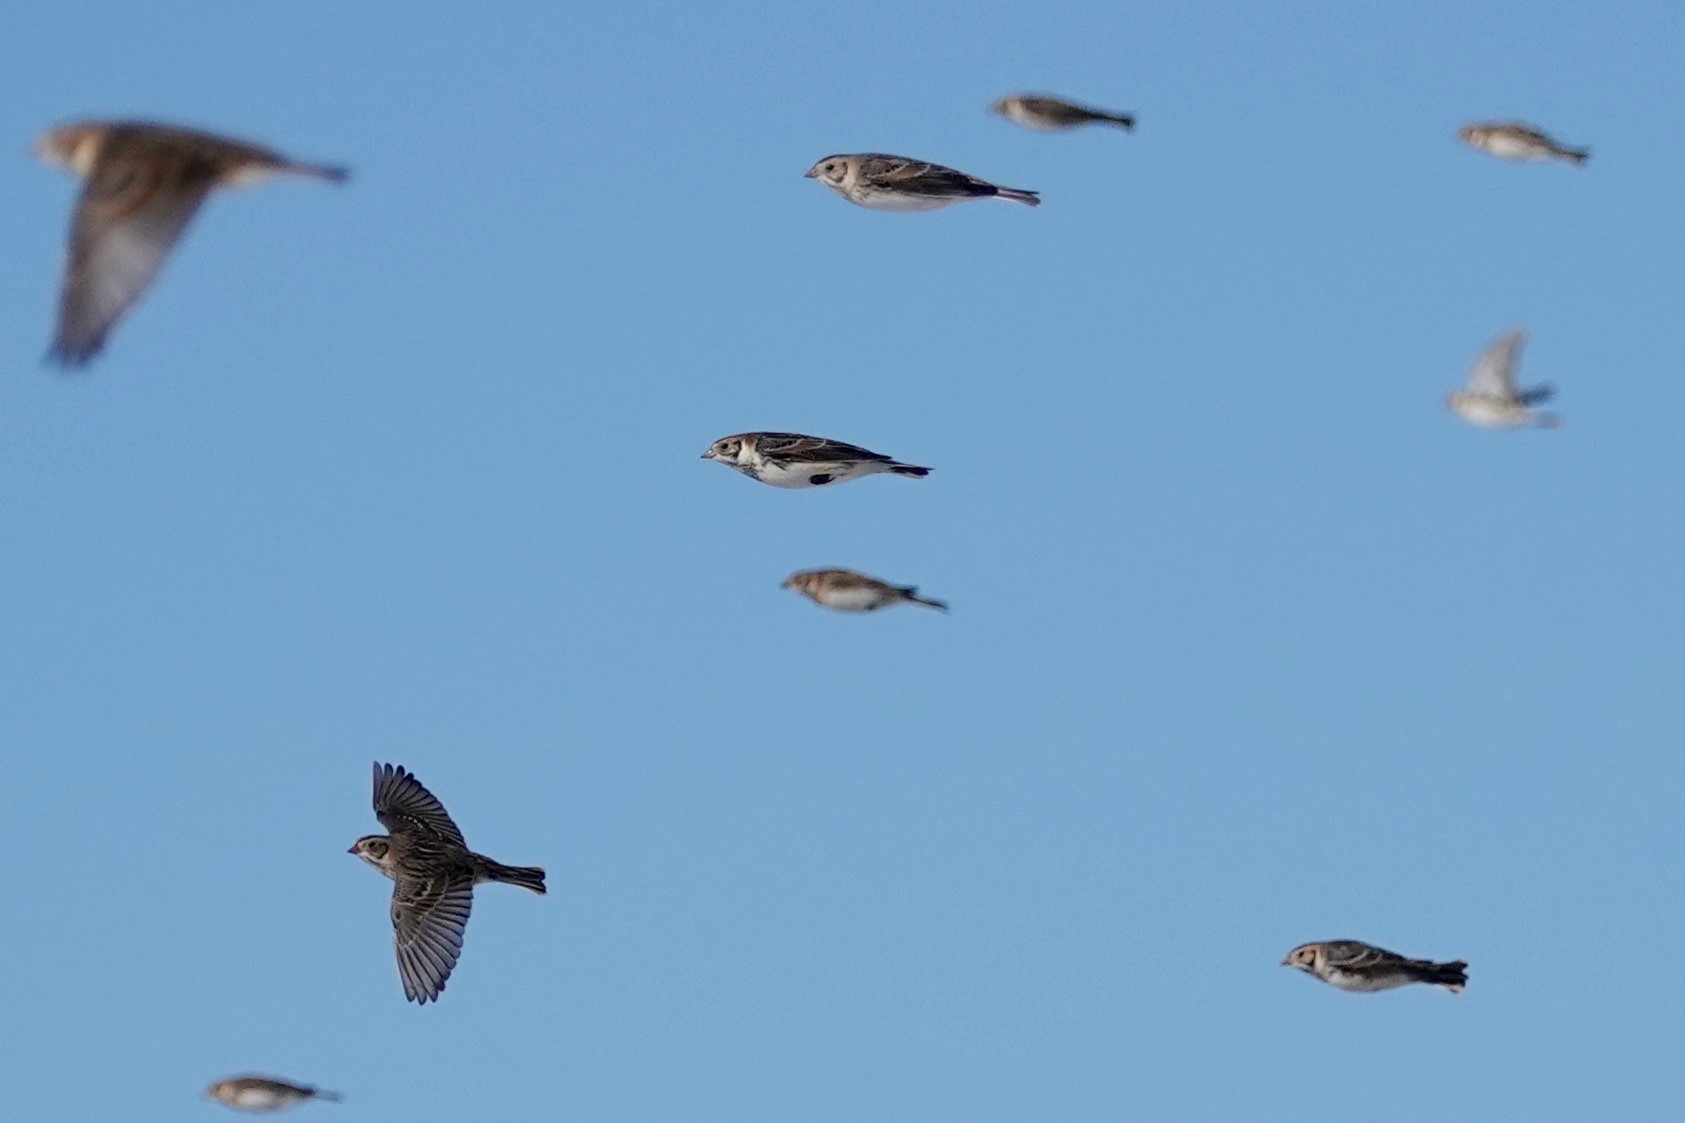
1028	198
911	592
1453	976
912	470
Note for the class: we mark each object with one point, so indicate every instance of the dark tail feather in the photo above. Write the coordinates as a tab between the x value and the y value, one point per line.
1536	395
911	592
1577	155
527	877
324	1094
1028	198
333	173
1124	120
912	470
1452	976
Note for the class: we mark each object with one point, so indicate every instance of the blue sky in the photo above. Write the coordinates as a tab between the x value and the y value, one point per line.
1251	642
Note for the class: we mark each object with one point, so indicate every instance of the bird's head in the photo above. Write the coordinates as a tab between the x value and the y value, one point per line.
726	450
1473	134
375	849
1303	957
831	171
72	147
1003	106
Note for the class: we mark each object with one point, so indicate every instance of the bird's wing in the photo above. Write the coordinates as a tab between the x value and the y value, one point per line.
129	216
794	446
1493	373
403	806
1353	955
429	916
925	179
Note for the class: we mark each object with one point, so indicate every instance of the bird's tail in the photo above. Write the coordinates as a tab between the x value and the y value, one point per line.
911	592
527	877
333	173
1028	198
1575	156
1537	394
1547	420
1452	976
1122	120
912	470
324	1094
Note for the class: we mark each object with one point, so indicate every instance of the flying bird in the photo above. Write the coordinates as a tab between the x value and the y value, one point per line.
1046	113
1357	966
795	461
142	185
896	183
848	591
1512	140
1491	398
263	1094
433	877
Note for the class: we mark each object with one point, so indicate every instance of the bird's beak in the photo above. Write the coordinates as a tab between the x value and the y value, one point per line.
1286	963
352	849
810	173
709	455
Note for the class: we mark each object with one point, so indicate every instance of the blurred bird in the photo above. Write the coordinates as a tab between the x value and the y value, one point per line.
262	1093
1512	140
1354	965
1046	113
794	461
433	874
896	183
142	185
848	591
1491	399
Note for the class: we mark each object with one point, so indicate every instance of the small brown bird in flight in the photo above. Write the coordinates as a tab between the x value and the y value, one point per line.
1046	113
142	185
263	1094
847	591
1355	965
433	877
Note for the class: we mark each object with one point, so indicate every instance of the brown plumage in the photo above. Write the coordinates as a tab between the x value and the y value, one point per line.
142	185
433	877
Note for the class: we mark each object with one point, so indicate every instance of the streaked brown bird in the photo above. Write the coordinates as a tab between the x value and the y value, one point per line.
881	182
795	460
848	591
1357	966
264	1093
142	185
433	877
1046	113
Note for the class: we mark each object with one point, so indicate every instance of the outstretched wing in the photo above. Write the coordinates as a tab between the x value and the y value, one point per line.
429	916
130	214
1354	955
811	450
404	807
1493	374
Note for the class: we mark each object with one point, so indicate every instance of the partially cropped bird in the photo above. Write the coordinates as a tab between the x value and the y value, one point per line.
1047	113
1491	398
142	185
1512	140
896	183
263	1093
1357	966
433	874
796	461
848	591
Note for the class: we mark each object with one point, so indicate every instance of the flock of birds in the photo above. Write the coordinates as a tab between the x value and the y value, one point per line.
142	184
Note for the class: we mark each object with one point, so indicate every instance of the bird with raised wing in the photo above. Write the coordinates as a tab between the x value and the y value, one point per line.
142	185
1492	400
433	877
